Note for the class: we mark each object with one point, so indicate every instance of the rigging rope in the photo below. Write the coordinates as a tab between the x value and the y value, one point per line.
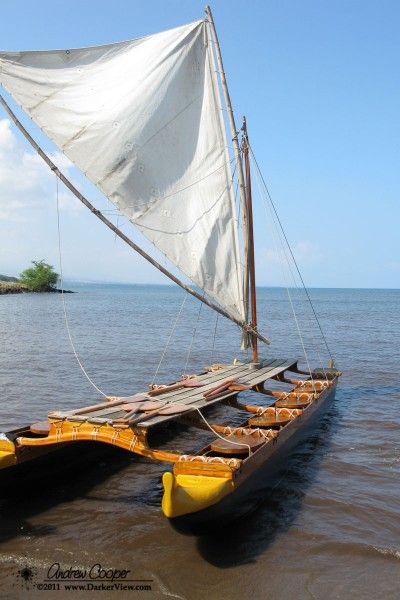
184	372
214	337
291	252
63	299
220	436
170	337
315	342
275	235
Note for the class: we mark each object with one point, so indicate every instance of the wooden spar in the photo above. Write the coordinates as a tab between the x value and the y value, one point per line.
115	229
252	271
239	165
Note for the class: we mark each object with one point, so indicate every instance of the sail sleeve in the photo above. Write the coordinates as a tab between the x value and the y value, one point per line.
143	121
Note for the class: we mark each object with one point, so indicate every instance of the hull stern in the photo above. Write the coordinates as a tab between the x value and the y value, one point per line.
185	494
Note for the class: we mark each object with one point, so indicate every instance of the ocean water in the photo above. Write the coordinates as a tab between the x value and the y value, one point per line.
331	529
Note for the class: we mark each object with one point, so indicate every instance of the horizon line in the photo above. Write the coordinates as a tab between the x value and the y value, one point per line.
264	286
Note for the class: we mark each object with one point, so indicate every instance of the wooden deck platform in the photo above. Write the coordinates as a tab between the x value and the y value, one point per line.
191	397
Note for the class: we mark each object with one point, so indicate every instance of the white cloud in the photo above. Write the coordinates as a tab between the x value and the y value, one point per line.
26	183
28	220
68	202
305	253
6	136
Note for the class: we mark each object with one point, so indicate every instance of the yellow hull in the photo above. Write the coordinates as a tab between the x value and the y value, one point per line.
184	494
7	453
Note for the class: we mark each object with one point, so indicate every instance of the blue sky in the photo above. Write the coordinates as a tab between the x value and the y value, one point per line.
318	82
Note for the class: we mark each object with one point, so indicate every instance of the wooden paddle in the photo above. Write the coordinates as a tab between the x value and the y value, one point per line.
219	389
186	383
140	407
166	409
94	407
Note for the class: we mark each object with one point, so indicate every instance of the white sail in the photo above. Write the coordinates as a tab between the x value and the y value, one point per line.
142	120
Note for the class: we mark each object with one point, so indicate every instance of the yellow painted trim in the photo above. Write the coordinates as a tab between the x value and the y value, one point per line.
7	459
185	494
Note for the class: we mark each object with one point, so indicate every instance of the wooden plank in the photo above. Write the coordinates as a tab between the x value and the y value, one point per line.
111	412
193	396
199	402
231	372
223	373
178	396
257	377
209	379
106	415
219	377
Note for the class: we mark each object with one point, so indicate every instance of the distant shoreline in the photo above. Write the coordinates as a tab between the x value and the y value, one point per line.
15	287
11	287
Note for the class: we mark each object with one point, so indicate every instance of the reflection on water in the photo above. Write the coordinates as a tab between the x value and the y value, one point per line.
329	530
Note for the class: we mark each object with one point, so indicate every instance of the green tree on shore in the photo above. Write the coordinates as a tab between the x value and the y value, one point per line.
39	278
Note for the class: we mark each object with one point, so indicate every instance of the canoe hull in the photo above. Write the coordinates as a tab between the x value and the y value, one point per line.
47	465
262	475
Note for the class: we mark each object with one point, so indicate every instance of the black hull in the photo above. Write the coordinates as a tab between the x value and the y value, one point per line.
251	493
55	465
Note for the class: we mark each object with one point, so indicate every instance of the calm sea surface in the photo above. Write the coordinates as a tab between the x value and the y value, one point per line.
330	530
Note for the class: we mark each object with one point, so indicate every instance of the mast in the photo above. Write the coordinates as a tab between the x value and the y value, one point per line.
115	229
239	165
252	272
